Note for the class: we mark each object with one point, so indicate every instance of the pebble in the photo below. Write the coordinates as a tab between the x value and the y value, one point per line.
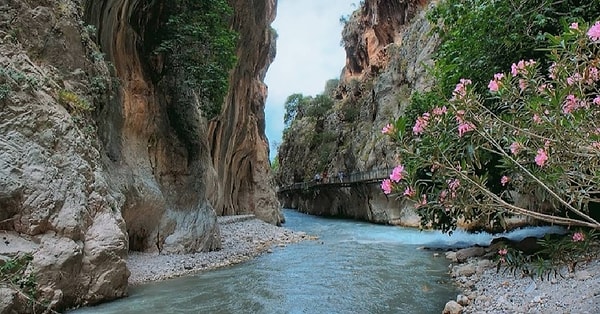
241	241
495	292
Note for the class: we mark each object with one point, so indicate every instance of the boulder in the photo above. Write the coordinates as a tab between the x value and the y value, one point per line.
452	308
466	253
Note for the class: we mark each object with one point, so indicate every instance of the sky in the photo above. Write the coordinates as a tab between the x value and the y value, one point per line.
308	55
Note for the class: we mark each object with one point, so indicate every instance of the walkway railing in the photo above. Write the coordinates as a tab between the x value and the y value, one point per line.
375	175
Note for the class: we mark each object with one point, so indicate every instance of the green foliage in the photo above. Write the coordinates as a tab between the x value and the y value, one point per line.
4	90
73	102
553	254
544	140
201	46
275	165
14	272
298	106
477	40
350	113
330	87
319	106
294	104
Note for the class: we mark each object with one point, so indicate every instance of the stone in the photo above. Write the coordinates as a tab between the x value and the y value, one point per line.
462	300
8	297
451	256
583	275
466	253
452	307
465	270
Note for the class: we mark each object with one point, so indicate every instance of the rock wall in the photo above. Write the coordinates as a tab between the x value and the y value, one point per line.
161	173
387	44
239	147
361	202
57	201
93	161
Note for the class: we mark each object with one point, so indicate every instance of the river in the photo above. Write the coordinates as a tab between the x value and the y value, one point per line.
354	267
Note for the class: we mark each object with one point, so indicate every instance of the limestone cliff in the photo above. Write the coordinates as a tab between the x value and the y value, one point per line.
239	147
387	44
99	154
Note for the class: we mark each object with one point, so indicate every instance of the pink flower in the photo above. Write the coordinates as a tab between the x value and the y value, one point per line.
503	252
571	104
578	237
464	128
552	70
421	124
439	111
575	78
596	100
443	195
594	32
515	148
541	157
537	119
388	129
504	180
396	175
574	25
409	192
498	76
593	74
453	184
522	84
386	186
460	90
596	145
493	86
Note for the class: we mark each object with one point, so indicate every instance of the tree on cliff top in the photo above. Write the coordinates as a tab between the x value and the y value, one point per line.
200	45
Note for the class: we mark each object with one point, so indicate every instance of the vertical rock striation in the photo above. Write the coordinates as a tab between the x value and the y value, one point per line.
161	172
100	153
237	138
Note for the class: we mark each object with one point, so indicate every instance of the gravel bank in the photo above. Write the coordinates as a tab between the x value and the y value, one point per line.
243	237
488	291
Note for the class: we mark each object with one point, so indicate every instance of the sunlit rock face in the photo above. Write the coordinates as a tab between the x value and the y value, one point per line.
58	202
387	45
98	156
242	182
374	26
161	170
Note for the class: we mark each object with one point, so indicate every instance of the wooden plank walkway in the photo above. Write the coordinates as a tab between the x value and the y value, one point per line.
376	175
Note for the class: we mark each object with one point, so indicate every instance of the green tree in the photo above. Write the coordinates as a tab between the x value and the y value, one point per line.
294	105
200	45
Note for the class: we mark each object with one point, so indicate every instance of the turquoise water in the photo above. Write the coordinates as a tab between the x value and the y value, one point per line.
354	267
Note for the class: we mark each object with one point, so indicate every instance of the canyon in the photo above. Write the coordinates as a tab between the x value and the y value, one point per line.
102	153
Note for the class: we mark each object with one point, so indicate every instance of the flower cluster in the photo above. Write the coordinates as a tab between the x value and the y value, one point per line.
542	129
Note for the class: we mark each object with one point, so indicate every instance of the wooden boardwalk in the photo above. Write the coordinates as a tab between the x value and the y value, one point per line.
376	175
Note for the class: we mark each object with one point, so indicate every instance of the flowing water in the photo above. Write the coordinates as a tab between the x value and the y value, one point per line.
354	267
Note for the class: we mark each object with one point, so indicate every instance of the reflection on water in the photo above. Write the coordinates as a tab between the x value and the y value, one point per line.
354	267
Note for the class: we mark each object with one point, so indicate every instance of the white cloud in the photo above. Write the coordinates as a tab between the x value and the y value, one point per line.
308	54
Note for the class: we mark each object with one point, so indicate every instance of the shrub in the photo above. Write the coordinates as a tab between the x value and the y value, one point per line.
545	136
74	102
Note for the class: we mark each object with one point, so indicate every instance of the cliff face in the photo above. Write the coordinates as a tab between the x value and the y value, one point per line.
94	160
239	147
387	43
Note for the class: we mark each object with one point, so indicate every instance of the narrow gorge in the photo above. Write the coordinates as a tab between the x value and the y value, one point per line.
104	151
388	46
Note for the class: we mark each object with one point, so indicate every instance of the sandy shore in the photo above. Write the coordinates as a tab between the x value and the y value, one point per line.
243	237
487	291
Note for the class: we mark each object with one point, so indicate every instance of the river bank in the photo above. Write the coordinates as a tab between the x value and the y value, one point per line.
243	237
486	290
